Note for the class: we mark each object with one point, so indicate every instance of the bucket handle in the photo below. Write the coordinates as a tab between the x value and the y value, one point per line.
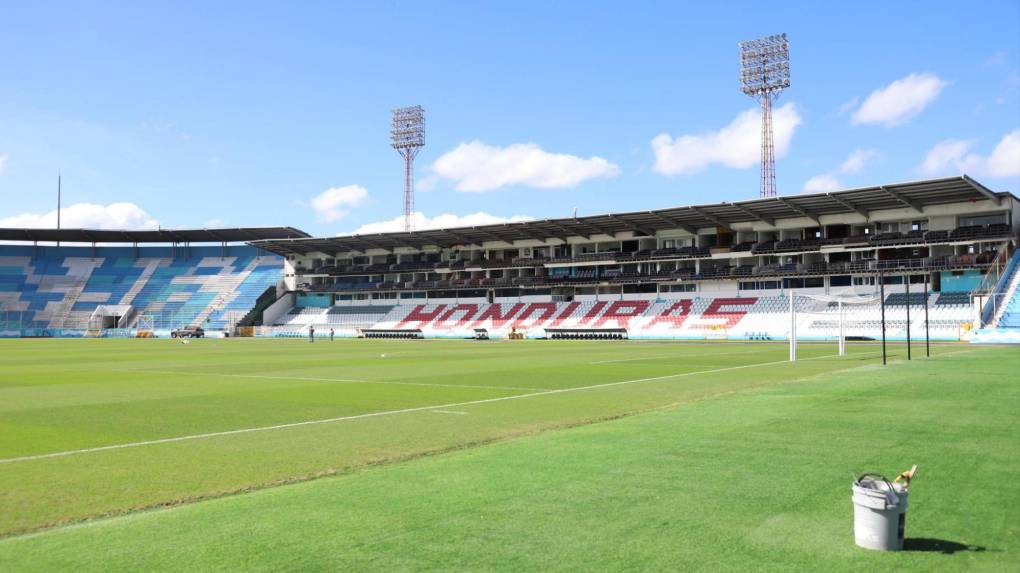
892	490
874	475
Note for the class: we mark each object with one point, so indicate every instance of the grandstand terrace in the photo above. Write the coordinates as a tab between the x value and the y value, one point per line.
686	272
947	232
160	282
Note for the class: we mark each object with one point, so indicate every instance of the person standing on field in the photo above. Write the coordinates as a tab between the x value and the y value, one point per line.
331	335
311	334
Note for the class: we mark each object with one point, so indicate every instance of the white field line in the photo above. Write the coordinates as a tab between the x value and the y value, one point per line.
338	380
449	412
392	412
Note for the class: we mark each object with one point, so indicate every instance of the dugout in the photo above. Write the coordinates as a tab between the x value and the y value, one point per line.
586	333
407	334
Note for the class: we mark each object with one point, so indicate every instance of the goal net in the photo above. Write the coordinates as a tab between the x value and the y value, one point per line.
832	317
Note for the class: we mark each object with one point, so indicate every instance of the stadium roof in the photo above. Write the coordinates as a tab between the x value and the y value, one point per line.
915	195
237	235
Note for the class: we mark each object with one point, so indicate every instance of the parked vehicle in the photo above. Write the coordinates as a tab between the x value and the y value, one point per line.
188	332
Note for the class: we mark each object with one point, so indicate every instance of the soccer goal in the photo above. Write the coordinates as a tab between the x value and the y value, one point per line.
833	317
145	326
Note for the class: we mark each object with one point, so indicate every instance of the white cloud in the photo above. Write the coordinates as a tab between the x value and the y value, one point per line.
86	216
426	184
822	183
899	101
738	145
477	167
828	182
947	156
445	221
335	203
1005	158
849	105
3	162
954	156
855	163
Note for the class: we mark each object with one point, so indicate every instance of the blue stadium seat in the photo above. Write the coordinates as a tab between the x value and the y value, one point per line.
61	288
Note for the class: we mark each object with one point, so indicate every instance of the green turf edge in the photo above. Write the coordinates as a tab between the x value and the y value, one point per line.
781	388
504	435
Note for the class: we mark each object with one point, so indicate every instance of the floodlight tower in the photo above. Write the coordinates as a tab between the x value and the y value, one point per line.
408	137
764	74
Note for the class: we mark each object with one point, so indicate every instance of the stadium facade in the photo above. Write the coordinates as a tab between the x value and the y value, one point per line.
719	270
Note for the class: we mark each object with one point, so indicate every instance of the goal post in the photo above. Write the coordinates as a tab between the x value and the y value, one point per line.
823	317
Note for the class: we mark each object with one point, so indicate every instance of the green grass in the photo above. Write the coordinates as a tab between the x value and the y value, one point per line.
732	471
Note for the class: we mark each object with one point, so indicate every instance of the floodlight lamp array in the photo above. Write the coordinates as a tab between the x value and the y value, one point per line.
765	65
408	128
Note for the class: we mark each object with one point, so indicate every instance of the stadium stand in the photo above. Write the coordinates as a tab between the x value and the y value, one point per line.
55	291
741	318
722	270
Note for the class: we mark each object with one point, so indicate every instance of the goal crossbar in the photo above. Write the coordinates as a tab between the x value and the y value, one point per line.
844	300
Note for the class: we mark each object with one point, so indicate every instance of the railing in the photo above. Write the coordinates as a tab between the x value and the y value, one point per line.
870	267
790	246
997	269
14	321
996	295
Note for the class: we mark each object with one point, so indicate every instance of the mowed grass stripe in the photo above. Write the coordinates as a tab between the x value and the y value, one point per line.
216	411
754	480
40	431
336	380
150	406
382	413
57	490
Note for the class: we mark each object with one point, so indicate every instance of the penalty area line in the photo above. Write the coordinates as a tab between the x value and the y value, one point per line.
391	412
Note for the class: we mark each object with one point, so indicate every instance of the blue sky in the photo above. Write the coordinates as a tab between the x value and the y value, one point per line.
272	114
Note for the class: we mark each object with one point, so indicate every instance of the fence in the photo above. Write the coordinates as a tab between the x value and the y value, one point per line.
21	323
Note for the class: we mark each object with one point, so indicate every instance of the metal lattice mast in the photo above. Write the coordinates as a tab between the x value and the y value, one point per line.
764	74
768	152
408	191
408	137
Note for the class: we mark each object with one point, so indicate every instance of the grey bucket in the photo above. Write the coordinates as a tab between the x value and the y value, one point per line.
880	512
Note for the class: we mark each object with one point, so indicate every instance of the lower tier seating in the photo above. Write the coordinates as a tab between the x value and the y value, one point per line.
766	317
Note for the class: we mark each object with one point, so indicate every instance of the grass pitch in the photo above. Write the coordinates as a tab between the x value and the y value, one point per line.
733	471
